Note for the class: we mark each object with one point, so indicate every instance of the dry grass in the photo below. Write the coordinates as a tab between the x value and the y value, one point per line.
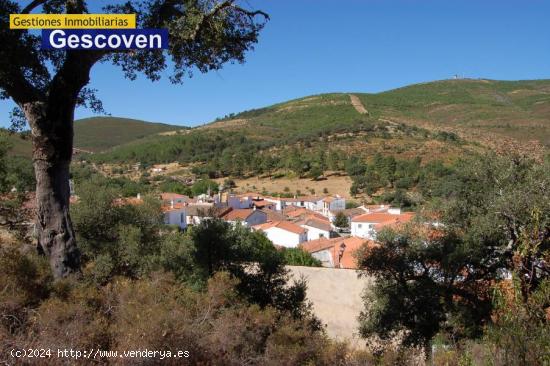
334	184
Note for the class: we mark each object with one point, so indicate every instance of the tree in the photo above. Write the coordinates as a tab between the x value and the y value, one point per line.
315	172
496	221
250	257
47	86
341	221
204	186
299	257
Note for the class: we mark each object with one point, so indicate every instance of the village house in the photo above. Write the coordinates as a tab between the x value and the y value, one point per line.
280	203
196	213
312	203
240	201
283	233
333	203
299	213
367	225
316	228
336	252
246	216
175	214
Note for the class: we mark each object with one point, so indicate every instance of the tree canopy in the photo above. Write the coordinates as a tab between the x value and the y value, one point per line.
493	224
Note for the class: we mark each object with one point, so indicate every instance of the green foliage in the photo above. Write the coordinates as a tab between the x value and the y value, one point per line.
351	204
485	105
15	171
97	134
20	174
203	186
116	238
252	259
341	221
299	257
437	280
521	333
170	185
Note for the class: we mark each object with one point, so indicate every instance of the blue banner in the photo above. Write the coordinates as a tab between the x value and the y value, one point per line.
104	39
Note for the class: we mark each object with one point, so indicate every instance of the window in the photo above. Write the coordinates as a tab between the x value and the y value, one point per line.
321	235
359	226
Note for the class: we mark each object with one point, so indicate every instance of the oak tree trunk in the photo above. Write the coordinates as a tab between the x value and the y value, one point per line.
52	137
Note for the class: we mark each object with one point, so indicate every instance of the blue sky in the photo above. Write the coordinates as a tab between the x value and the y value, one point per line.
319	46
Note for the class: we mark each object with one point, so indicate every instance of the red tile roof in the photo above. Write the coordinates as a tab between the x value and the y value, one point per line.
381	217
238	214
175	207
317	223
351	245
283	225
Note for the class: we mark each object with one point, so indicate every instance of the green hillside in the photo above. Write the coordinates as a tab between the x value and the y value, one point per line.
512	109
19	146
423	120
102	133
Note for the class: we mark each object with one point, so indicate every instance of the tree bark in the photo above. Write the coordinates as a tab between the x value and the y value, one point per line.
52	136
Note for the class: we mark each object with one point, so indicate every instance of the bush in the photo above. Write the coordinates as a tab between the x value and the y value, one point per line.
299	257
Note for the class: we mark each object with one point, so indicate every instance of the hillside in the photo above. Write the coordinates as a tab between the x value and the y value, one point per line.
102	133
474	108
441	119
20	146
98	134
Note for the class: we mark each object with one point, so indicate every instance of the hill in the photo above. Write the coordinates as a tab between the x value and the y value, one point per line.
441	119
20	144
474	108
102	133
98	134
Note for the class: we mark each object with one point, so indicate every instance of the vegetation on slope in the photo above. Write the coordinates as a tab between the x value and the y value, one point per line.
102	133
515	109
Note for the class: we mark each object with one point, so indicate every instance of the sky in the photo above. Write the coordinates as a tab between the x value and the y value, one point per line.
319	46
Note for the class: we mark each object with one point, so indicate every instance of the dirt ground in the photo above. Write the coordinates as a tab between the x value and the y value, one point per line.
334	184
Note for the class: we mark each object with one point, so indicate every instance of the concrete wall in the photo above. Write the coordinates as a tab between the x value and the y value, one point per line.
336	297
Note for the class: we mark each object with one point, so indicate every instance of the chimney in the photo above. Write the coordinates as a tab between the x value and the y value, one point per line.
139	196
171	203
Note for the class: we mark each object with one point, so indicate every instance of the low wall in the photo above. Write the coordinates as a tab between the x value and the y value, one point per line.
336	298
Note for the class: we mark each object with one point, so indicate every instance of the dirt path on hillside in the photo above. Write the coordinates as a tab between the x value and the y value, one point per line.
357	104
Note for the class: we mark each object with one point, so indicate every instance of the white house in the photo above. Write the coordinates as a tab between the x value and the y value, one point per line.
283	233
246	216
367	225
312	203
279	203
197	213
175	214
239	201
333	203
316	228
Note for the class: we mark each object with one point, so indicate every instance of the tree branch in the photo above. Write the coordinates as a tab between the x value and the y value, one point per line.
33	4
219	7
